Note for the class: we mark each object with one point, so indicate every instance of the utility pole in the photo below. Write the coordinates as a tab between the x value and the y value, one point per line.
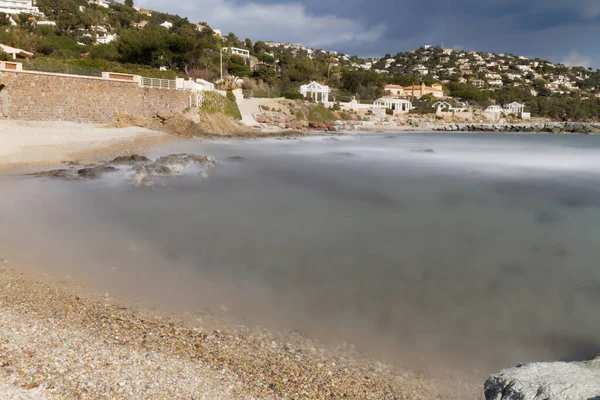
221	64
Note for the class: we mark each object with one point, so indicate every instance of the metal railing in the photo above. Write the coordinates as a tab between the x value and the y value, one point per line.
159	83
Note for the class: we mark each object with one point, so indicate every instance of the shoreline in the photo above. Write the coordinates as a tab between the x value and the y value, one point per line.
25	144
56	332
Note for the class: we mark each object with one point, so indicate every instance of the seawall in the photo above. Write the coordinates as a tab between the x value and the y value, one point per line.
37	96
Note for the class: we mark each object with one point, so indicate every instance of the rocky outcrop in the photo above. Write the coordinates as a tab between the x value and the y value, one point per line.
281	121
547	381
547	127
140	169
284	121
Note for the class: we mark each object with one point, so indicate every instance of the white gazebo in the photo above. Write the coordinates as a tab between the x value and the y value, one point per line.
399	105
494	110
314	89
514	108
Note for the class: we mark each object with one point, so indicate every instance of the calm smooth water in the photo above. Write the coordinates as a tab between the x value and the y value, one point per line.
485	251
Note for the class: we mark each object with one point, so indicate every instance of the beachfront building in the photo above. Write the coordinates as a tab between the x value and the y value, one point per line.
436	90
397	105
16	53
315	89
18	7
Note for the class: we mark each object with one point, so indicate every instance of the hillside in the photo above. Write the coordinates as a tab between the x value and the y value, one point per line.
81	37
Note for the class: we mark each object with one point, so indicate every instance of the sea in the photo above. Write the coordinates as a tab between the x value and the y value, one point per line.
470	250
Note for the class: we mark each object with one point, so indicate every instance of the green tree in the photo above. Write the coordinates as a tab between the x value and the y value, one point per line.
4	56
129	3
4	19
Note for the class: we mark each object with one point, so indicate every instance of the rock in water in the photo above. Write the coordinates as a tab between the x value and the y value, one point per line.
547	381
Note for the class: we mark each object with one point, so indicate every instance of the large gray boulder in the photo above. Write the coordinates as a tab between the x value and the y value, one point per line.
547	381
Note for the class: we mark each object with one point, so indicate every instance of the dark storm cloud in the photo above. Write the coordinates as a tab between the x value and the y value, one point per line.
556	29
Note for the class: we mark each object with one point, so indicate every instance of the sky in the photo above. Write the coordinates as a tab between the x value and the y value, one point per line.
559	30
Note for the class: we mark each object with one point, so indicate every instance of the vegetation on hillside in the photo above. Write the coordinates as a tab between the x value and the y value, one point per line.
189	49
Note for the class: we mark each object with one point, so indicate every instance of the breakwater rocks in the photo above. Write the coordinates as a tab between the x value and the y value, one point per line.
560	380
542	127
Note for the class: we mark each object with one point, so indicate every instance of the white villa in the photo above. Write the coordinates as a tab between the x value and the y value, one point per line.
102	3
237	51
106	38
18	6
315	89
397	105
167	25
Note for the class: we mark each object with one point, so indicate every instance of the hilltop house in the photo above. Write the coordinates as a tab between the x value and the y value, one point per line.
237	51
139	25
102	3
18	7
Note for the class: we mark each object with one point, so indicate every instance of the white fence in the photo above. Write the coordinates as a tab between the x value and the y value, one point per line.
159	83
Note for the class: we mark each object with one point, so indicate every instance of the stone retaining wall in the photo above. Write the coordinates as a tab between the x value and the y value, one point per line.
56	97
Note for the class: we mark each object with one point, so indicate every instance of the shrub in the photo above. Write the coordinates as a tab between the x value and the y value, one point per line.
389	111
4	56
292	95
230	96
346	116
215	103
319	113
232	109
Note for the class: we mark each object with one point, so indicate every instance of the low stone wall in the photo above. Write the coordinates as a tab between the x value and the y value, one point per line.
56	97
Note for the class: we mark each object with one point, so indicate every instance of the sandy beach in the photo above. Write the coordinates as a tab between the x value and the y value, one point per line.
29	144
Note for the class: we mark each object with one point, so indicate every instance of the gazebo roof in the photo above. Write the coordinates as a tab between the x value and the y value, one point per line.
392	100
315	87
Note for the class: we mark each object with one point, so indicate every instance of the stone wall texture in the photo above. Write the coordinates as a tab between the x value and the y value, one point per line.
50	97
